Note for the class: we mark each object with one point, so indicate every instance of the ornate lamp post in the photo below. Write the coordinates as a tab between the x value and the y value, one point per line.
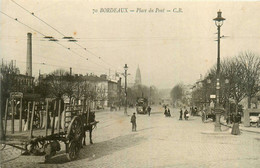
218	110
125	68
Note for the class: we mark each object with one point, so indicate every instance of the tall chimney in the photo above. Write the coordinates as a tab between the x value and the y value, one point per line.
12	65
29	55
70	71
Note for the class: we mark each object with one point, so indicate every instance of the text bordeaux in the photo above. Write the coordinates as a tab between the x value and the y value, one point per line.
113	10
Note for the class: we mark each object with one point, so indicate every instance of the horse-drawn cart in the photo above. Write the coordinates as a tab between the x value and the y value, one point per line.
45	125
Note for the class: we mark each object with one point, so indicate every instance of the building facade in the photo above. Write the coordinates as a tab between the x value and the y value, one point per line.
99	91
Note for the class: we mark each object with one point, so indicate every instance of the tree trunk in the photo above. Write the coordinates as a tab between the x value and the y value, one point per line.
249	102
236	107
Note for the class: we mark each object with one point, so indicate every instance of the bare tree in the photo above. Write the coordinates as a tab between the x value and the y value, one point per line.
69	84
236	77
177	93
231	69
154	94
250	64
243	73
57	83
142	91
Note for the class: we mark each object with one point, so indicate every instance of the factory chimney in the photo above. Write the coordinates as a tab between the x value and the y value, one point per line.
29	55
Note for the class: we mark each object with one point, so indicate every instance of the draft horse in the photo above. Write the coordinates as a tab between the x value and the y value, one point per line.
89	123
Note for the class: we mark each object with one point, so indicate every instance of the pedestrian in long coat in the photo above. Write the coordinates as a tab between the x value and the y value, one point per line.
169	112
149	110
180	114
165	111
186	114
133	121
235	128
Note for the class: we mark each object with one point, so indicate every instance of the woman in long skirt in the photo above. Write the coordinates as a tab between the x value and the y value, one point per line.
235	128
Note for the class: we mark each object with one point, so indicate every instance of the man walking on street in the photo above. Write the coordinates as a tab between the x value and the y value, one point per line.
180	114
133	121
149	110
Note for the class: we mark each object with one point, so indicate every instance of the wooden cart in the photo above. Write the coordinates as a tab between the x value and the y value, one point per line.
39	136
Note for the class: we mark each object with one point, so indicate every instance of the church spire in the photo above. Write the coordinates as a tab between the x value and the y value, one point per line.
138	80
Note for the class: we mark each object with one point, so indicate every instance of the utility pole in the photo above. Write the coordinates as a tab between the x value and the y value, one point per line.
218	110
119	92
125	68
150	96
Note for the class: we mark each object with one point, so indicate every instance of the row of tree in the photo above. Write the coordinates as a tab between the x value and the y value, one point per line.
72	86
61	83
239	79
177	95
57	84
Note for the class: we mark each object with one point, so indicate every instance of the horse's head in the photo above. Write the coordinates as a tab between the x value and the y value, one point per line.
92	116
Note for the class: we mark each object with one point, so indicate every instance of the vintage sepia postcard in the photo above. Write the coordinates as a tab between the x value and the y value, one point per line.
130	84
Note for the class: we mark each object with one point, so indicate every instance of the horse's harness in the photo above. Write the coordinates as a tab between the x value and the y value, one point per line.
91	120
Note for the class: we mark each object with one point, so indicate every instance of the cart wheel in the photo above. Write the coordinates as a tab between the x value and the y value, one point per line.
75	130
36	148
2	146
73	150
48	157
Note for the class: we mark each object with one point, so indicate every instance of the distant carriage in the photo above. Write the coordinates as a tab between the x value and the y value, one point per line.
48	123
141	105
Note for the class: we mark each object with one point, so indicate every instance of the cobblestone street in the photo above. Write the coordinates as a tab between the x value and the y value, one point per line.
158	142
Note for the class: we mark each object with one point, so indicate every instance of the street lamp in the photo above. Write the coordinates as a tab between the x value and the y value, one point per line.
218	110
125	68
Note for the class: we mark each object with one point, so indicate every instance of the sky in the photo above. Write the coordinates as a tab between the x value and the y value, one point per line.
169	47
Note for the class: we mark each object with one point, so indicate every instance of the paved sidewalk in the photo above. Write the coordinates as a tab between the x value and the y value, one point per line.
8	154
250	129
159	142
243	128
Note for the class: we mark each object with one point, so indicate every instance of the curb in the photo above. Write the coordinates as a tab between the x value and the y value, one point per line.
216	133
257	132
9	159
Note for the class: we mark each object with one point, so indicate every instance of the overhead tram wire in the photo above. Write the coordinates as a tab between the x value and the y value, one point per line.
95	55
67	67
38	55
32	13
16	19
53	41
53	65
37	17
